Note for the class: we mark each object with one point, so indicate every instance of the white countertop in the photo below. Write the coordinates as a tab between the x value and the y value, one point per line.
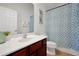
18	43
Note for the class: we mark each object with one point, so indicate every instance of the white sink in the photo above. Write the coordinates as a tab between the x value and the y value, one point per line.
21	39
28	38
24	39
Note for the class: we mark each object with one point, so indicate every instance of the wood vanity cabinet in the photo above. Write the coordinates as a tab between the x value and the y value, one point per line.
36	49
22	52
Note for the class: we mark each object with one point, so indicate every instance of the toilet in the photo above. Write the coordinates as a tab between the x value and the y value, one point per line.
51	46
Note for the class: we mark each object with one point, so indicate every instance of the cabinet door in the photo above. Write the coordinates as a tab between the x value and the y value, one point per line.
42	52
22	52
34	54
44	42
35	46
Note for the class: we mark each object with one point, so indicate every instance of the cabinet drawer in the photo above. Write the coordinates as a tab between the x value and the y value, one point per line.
35	46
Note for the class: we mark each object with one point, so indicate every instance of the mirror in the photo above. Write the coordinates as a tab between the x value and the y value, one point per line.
14	15
8	20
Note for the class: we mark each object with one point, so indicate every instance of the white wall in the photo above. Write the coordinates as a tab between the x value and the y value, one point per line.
24	11
38	28
36	18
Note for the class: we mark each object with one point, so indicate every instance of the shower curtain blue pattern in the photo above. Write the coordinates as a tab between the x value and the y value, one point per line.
62	26
58	25
75	27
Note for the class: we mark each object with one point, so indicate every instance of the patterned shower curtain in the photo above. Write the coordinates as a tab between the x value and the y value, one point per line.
75	27
62	26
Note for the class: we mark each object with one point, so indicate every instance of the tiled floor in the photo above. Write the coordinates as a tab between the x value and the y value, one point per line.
60	53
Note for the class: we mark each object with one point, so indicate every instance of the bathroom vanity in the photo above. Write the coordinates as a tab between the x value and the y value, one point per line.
32	46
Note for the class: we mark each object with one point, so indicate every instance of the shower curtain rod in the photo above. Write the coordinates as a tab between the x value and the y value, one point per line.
57	7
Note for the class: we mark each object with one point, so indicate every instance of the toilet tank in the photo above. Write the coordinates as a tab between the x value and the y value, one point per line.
51	46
